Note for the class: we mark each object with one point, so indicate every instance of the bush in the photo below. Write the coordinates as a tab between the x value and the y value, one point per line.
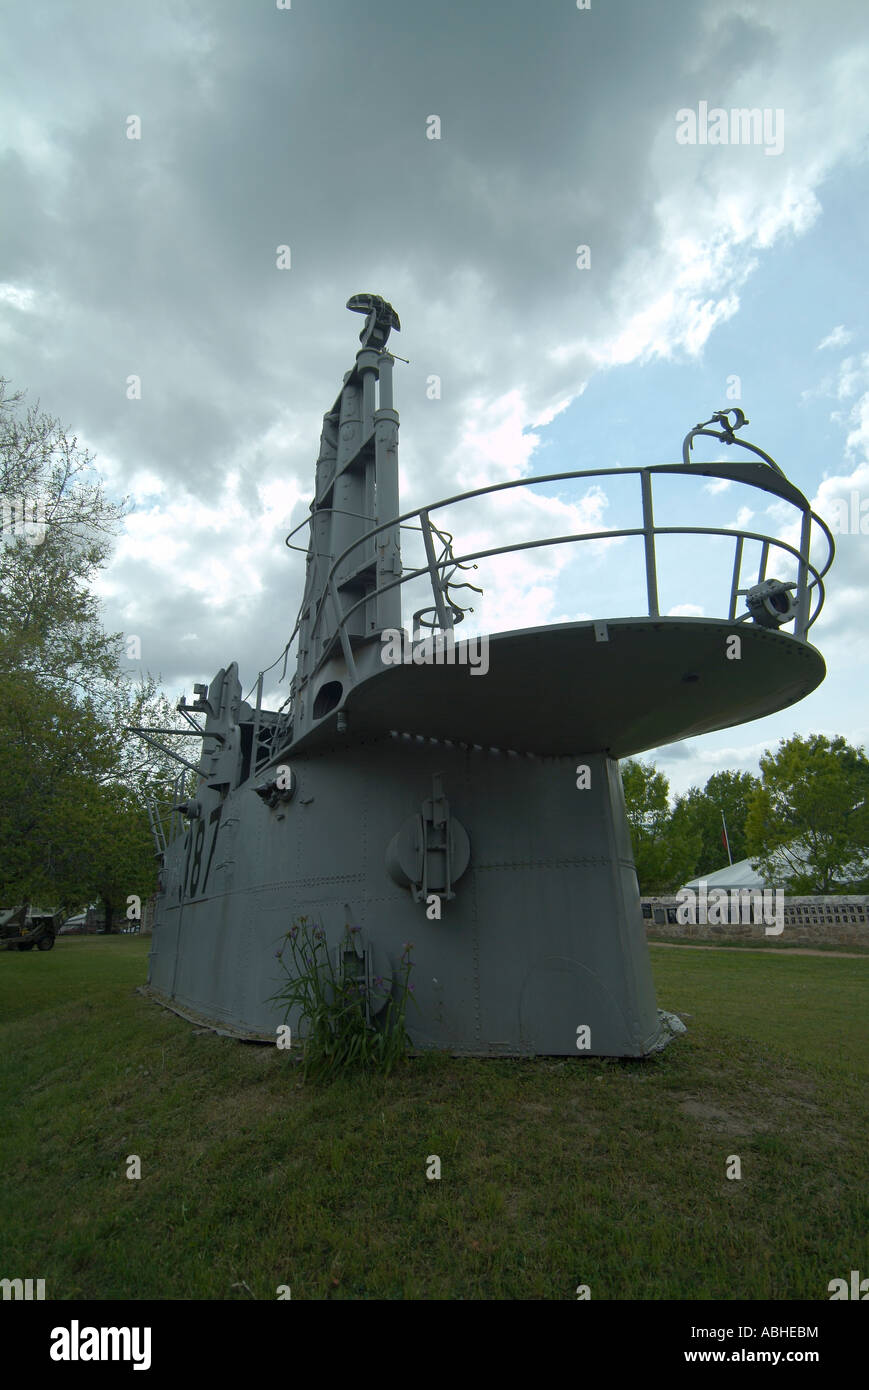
344	1021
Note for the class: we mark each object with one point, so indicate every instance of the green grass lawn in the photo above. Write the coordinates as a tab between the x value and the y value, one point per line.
555	1172
760	943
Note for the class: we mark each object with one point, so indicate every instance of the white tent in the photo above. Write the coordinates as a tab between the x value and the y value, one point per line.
738	876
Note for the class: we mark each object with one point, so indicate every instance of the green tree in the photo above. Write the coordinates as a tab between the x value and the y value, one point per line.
121	863
49	619
664	857
698	814
51	752
71	773
811	815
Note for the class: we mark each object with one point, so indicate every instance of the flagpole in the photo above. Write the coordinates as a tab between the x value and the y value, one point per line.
726	839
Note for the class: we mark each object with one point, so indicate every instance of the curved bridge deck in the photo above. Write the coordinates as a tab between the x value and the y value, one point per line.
566	689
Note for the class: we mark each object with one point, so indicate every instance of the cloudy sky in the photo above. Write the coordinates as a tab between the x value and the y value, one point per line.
716	275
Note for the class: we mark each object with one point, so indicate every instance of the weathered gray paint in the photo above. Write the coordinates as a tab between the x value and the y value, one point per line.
541	929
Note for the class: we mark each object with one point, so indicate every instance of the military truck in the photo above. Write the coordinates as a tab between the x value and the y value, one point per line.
22	928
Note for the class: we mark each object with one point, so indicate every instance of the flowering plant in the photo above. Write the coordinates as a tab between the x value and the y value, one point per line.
343	1020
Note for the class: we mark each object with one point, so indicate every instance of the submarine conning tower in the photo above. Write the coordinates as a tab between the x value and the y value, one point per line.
352	583
464	794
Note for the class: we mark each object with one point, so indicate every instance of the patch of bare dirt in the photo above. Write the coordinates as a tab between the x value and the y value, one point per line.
717	1118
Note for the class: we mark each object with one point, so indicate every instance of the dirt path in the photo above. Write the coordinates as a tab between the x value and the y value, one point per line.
761	950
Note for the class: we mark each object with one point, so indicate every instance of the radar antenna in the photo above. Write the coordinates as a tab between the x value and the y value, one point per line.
381	318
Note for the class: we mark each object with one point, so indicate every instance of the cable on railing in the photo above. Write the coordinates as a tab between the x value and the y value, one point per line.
726	435
605	535
773	481
441	591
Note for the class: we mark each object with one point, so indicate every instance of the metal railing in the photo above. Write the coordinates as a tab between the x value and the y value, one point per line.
746	473
164	816
440	568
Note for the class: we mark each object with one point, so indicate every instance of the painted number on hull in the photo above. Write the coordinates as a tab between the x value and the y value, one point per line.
190	883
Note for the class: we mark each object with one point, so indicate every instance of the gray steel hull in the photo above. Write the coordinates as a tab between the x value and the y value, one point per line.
511	875
543	937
